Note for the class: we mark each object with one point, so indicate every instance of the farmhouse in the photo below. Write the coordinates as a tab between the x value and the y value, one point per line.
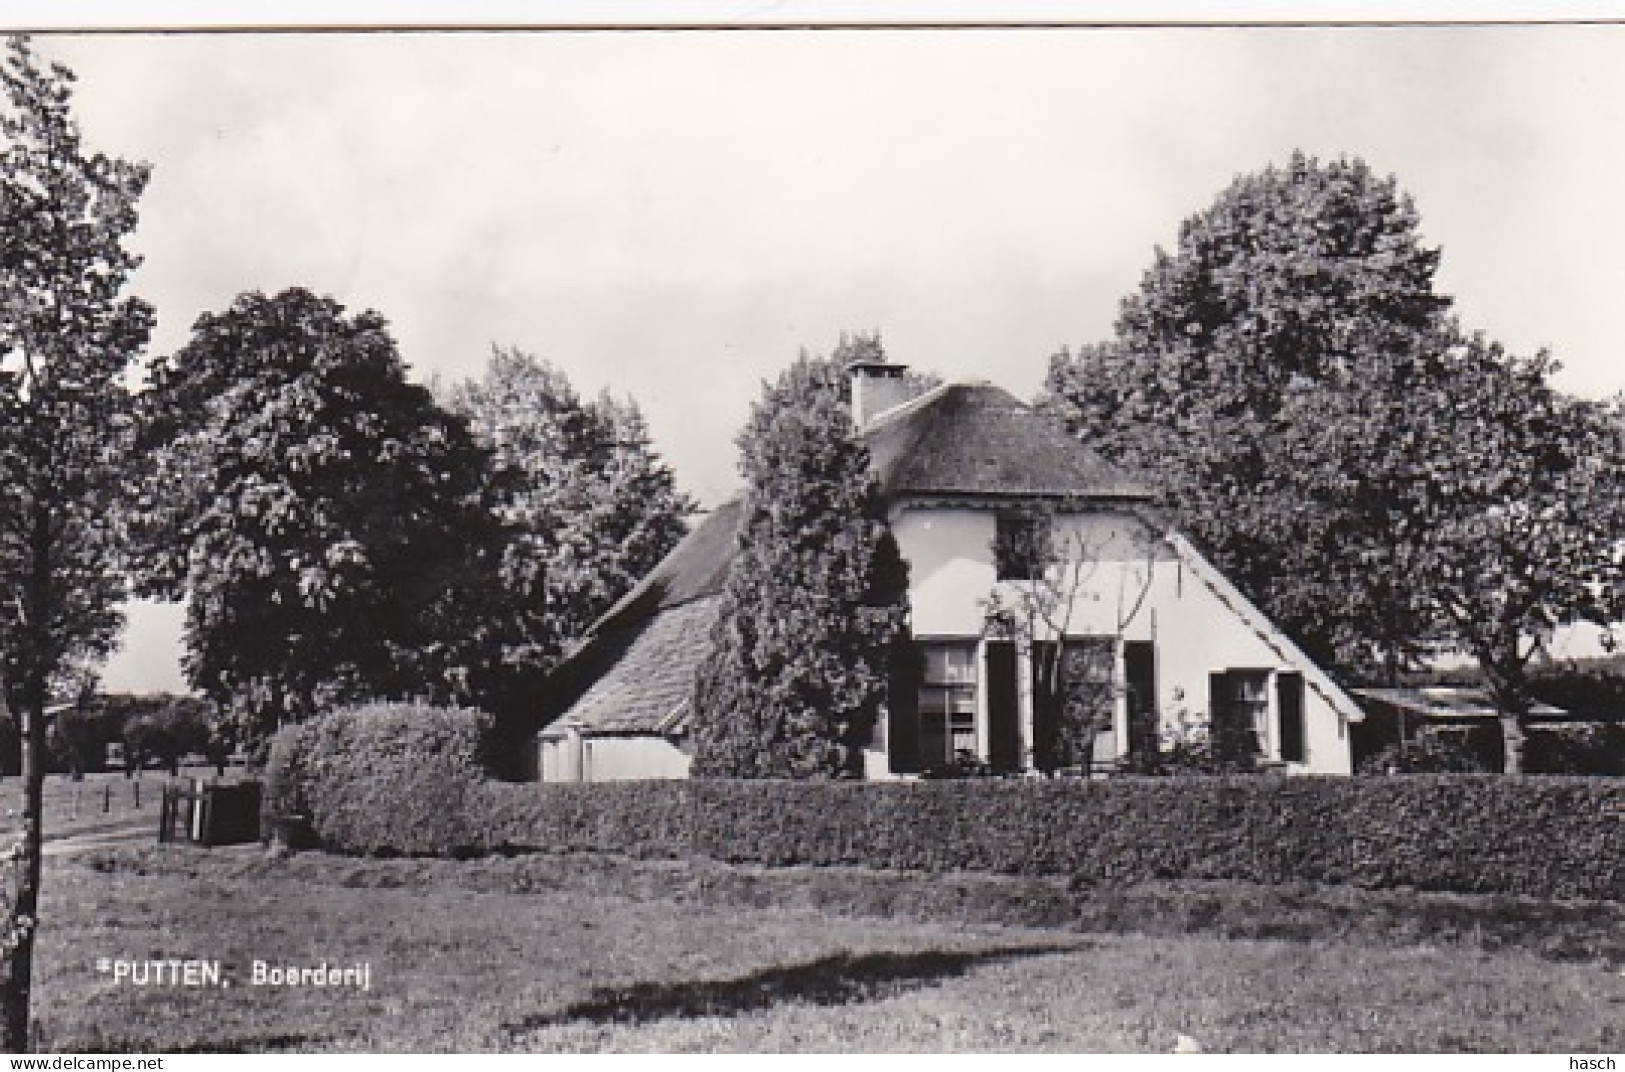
969	474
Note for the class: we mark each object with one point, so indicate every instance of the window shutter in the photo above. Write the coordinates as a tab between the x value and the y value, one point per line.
1003	707
1218	695
903	710
1047	700
1289	702
1140	669
1221	715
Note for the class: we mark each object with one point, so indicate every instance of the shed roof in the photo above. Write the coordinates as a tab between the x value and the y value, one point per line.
1451	703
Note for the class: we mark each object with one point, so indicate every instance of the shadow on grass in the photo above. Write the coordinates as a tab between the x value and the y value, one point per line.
276	1043
841	979
268	1043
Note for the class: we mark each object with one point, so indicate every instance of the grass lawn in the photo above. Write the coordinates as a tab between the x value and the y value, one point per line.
593	954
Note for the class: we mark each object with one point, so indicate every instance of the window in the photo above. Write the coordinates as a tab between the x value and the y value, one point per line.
1241	709
1020	545
947	703
1074	692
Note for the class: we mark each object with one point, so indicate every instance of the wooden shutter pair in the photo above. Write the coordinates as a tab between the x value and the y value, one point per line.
1290	729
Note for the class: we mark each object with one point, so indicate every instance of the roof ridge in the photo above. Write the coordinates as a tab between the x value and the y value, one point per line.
903	409
1266	630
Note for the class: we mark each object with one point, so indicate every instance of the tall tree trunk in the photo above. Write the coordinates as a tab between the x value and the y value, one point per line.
1513	737
15	992
18	986
1509	688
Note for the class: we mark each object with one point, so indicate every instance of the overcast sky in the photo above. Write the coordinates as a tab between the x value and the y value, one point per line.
675	215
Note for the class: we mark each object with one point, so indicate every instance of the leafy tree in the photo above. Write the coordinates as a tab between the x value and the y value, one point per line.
168	732
67	338
1381	485
1513	515
76	740
324	515
815	604
1290	319
586	509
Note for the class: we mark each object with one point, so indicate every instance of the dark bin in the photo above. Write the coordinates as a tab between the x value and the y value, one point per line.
211	814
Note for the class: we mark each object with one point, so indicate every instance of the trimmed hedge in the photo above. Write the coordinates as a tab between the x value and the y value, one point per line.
642	819
382	779
408	781
1543	837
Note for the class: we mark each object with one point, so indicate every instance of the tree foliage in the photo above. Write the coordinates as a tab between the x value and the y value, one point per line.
1252	373
68	335
585	506
167	731
867	346
1380	483
816	599
322	513
1514	516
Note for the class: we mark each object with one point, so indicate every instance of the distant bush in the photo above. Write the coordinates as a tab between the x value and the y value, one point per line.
964	765
383	779
1592	688
154	728
1186	758
76	741
1427	754
1581	749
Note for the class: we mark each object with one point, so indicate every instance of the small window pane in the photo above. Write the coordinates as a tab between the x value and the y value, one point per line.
947	703
1020	544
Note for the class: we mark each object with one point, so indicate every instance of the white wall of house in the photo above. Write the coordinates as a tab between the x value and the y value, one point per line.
1198	624
558	755
573	758
951	570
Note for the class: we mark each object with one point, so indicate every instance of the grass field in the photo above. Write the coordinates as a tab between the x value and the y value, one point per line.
591	953
98	805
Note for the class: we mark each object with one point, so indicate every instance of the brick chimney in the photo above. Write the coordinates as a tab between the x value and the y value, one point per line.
877	386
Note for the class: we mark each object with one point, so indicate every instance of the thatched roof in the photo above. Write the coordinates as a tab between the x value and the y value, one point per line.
639	658
697	567
647	680
975	439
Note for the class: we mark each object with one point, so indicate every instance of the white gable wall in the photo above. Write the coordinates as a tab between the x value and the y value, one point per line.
1198	623
575	758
